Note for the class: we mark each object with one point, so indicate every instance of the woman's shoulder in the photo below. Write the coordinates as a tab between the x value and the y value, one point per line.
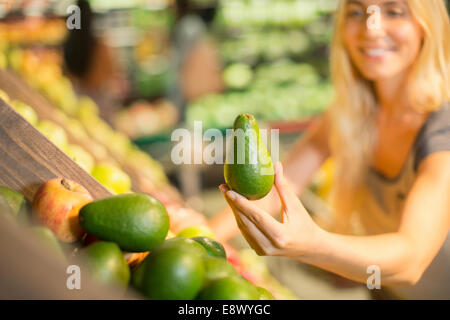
435	134
440	116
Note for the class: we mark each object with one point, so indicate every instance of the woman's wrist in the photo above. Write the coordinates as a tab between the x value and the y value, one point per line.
311	247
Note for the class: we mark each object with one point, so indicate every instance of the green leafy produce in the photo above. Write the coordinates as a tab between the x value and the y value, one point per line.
237	76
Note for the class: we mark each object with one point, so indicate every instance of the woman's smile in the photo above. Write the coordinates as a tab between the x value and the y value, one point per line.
376	53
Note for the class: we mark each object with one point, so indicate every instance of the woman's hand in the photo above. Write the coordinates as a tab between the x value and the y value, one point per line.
295	236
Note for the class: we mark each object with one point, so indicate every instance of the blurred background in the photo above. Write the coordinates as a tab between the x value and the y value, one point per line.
153	66
138	69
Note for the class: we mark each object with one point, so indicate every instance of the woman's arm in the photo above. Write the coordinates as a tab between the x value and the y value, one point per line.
300	164
402	256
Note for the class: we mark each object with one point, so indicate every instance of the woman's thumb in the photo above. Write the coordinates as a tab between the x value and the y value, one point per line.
284	189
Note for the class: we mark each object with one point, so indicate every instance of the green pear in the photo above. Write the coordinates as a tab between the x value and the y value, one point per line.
81	157
54	133
248	166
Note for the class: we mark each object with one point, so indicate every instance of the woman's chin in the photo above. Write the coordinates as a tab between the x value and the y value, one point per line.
378	75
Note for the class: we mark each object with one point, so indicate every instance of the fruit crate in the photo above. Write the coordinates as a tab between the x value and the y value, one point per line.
27	160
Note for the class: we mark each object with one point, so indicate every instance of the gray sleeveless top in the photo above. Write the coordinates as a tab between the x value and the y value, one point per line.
384	199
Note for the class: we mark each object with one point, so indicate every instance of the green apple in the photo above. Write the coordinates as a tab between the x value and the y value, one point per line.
99	129
62	94
112	177
76	129
54	133
87	108
238	76
119	142
15	59
196	231
25	111
80	156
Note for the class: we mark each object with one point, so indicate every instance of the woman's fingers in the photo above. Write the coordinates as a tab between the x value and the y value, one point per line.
255	238
261	219
288	197
247	233
224	188
244	227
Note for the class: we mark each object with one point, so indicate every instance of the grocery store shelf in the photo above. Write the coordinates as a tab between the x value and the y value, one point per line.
16	88
29	159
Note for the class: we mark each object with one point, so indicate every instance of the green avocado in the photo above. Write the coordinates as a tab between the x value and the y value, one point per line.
18	205
170	273
264	294
229	288
214	248
106	264
136	222
248	166
186	244
216	268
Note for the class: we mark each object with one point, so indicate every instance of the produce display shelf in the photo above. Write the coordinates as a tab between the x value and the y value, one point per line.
29	159
16	88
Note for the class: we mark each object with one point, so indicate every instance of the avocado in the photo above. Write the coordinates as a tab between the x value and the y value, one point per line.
248	167
264	294
106	263
136	222
170	273
213	247
229	288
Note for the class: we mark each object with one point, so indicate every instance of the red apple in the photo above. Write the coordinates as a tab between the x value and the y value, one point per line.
56	205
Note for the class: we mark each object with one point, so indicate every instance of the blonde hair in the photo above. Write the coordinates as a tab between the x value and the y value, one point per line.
354	108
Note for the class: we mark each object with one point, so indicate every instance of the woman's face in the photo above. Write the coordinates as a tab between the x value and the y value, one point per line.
386	49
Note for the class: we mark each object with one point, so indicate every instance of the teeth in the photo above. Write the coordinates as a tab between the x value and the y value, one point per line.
375	52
